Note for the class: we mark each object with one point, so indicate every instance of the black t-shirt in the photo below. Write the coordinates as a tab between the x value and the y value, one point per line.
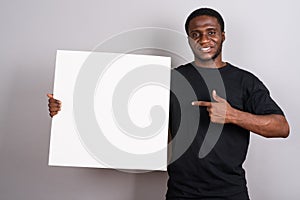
219	174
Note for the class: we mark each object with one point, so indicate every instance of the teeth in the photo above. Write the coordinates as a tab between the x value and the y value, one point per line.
205	49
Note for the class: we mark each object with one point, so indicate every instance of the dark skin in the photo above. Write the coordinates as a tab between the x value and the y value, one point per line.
54	105
206	39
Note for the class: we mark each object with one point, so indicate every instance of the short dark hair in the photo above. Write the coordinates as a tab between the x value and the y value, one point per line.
204	11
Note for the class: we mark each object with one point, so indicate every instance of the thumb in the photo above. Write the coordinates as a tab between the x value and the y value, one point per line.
50	96
216	97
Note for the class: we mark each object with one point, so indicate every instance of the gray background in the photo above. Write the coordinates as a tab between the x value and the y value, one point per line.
262	36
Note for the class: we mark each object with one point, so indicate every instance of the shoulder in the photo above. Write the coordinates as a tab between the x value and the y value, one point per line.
184	68
234	68
250	83
243	73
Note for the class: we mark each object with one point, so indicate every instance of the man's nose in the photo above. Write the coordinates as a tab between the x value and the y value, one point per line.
204	38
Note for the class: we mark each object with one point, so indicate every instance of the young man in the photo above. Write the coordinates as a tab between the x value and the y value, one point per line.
218	175
248	107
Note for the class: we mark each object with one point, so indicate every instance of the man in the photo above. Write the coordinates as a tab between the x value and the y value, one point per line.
247	107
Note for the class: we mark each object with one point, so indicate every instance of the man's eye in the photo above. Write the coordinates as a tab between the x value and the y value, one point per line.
211	32
195	35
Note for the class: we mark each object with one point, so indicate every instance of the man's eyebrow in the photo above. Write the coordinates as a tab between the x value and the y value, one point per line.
210	28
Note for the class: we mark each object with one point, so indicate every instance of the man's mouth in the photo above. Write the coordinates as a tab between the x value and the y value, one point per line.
205	49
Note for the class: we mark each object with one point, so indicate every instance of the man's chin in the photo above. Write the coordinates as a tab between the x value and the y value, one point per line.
206	59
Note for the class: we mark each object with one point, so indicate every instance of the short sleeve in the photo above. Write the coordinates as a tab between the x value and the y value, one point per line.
258	99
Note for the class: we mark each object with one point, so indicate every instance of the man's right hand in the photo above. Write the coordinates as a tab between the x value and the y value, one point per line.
54	105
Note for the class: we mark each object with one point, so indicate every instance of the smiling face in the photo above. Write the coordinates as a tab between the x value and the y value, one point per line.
206	39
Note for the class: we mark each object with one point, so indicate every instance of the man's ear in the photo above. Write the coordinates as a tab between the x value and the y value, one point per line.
223	36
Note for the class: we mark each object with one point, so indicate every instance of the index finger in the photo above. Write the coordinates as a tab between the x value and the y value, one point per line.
201	103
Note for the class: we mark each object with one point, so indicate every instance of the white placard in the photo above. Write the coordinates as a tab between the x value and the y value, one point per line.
114	111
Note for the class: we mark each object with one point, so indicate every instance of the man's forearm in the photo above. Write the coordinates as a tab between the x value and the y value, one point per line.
273	125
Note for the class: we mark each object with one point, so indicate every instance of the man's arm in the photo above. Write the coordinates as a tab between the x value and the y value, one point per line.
272	125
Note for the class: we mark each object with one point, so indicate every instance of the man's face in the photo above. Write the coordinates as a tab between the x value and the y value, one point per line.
206	38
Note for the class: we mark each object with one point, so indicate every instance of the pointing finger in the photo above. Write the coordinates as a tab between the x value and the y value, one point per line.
201	103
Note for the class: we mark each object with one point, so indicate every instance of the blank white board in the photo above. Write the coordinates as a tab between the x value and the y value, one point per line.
114	111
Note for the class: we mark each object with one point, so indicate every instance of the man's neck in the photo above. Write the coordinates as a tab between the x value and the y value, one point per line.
217	63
